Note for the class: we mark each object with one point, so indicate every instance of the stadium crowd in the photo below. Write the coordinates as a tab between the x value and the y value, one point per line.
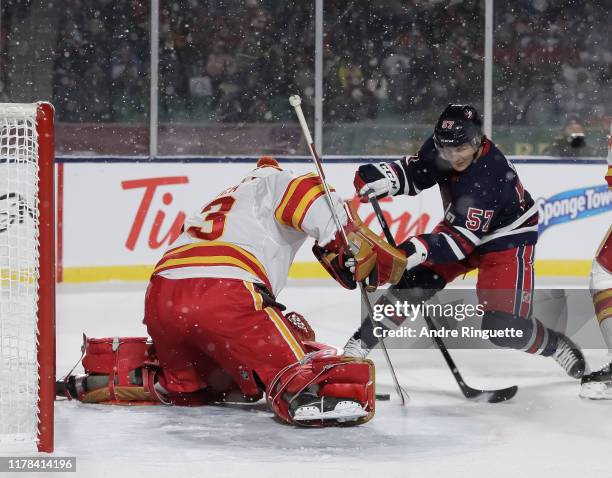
238	60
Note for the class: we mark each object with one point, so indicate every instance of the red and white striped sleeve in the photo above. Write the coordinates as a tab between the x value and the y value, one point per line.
301	205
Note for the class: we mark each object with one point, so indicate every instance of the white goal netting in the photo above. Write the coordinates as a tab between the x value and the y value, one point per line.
18	276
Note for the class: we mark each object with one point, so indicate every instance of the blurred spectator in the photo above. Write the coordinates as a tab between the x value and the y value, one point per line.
101	67
11	12
572	143
238	60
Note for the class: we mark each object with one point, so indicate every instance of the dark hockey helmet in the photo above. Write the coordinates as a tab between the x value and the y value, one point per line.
457	125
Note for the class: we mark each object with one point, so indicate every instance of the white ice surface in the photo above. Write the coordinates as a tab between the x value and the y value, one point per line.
545	431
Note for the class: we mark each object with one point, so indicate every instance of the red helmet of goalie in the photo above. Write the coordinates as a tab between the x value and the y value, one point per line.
268	161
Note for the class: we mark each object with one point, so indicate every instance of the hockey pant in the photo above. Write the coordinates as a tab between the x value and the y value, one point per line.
226	339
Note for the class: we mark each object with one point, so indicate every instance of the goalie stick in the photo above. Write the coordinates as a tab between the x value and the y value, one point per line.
295	101
491	396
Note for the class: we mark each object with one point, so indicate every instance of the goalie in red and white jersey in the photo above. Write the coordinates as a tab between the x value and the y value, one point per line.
598	384
211	311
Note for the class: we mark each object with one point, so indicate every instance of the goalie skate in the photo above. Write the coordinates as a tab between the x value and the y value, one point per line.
597	385
328	408
354	348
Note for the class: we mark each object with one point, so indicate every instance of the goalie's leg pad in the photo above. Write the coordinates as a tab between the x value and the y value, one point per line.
334	389
119	371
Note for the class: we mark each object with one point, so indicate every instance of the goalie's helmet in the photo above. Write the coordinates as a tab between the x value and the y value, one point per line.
266	165
267	161
457	125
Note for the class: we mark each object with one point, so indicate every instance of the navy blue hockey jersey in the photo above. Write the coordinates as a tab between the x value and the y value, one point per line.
486	207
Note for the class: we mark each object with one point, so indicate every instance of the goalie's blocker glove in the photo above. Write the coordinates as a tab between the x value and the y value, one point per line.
374	260
340	266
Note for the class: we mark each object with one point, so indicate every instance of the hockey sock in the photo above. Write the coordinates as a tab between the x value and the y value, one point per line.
535	338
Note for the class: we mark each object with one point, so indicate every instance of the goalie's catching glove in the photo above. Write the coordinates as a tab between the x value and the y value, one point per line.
372	258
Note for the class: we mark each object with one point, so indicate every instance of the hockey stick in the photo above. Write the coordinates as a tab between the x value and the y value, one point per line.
491	396
295	101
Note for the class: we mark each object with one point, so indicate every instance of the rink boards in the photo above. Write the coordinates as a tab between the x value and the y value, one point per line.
116	216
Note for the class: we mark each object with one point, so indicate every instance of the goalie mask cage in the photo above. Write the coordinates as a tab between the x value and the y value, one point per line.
27	277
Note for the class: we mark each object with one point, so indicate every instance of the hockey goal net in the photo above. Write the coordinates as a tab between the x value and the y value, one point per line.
27	277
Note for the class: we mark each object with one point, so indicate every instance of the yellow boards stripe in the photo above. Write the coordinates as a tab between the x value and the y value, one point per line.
299	270
24	276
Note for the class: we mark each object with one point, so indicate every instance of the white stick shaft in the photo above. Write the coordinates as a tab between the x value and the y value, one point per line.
352	248
302	120
488	69
317	161
154	86
610	146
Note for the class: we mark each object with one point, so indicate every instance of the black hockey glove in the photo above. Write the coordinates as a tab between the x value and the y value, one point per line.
382	178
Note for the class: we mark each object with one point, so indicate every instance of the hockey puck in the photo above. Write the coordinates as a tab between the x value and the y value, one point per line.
383	396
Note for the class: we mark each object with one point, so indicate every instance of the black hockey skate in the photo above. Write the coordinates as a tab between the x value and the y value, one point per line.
569	356
597	385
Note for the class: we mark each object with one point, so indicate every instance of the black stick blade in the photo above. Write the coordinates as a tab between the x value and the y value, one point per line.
491	396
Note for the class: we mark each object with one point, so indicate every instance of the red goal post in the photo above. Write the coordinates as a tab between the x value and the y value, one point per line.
27	276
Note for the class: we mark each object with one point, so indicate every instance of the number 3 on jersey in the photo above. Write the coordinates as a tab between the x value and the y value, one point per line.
214	221
474	219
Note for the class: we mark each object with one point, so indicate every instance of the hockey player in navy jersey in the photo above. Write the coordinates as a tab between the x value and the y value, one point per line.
490	223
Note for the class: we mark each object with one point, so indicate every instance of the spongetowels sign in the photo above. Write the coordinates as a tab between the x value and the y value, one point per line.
573	205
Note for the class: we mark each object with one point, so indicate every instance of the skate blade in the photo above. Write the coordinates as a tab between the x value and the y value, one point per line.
340	413
596	391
